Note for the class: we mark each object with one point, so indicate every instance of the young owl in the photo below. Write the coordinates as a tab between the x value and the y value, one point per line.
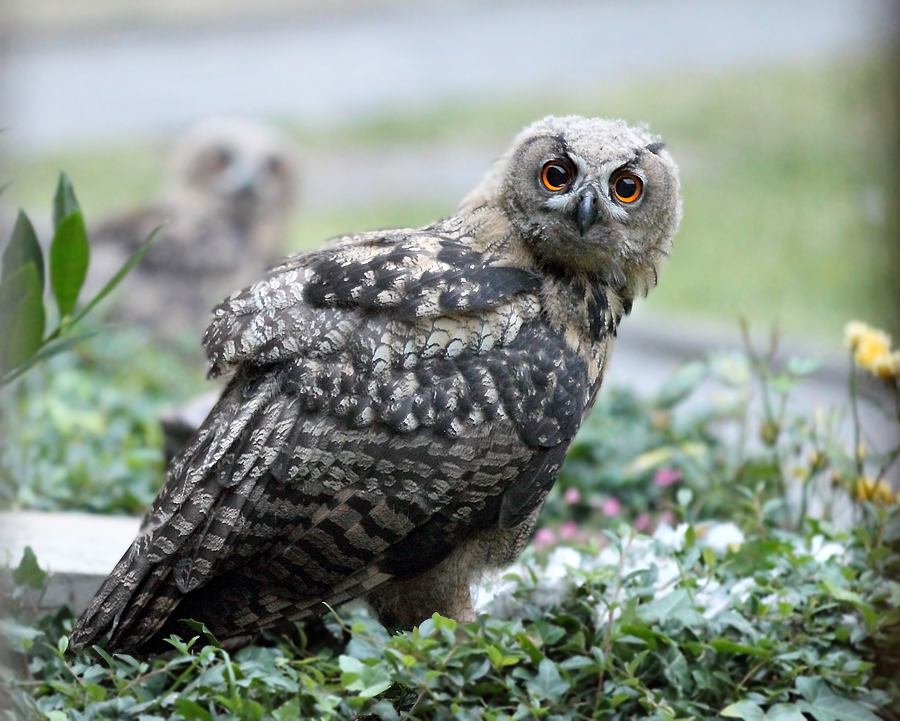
230	189
401	401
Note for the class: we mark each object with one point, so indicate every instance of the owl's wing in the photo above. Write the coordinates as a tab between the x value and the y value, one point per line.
390	397
309	304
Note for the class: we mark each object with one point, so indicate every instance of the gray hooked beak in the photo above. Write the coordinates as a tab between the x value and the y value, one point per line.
587	210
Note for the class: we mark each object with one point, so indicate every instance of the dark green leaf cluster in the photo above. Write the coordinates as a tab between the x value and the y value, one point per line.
81	432
788	626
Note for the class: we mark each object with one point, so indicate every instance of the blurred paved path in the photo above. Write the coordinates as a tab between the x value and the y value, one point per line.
328	67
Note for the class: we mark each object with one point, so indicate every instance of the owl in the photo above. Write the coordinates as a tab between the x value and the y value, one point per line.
230	189
400	402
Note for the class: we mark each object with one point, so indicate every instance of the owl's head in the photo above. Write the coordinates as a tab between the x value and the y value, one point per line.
591	196
237	167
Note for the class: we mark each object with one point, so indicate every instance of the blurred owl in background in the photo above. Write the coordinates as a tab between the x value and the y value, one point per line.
225	204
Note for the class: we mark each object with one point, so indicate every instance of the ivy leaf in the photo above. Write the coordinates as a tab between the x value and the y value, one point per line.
747	710
548	683
22	316
29	573
784	712
825	705
287	711
724	645
369	681
69	258
23	248
190	709
841	594
674	606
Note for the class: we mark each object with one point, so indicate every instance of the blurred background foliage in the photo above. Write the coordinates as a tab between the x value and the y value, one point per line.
786	183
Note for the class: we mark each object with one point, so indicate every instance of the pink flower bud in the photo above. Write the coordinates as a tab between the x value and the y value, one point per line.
611	507
643	522
666	477
544	537
572	495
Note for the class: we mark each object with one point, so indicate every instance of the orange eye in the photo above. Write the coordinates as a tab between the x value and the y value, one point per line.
628	187
556	176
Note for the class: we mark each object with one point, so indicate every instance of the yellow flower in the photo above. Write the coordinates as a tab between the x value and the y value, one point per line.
876	491
872	350
887	366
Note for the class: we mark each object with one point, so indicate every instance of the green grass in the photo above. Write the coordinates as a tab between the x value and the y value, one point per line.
784	171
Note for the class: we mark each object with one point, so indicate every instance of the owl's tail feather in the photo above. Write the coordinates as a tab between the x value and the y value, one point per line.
131	590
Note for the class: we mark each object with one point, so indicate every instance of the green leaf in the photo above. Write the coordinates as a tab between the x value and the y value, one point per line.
825	705
368	680
29	573
756	554
201	628
386	711
23	248
191	709
674	606
683	497
69	258
681	384
784	712
64	201
724	645
841	594
747	710
894	599
289	711
22	316
548	683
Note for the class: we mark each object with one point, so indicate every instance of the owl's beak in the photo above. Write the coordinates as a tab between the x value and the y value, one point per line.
586	211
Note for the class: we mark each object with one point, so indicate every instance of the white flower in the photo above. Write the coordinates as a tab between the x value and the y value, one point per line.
557	563
671	537
721	537
822	551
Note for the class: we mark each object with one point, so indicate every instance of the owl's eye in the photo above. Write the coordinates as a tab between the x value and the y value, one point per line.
219	159
556	176
628	187
277	167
